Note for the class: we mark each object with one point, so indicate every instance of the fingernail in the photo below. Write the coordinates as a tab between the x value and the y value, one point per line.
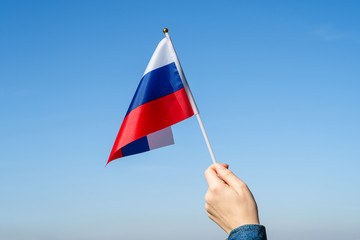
219	166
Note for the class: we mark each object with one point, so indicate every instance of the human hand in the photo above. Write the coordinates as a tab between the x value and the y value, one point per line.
229	202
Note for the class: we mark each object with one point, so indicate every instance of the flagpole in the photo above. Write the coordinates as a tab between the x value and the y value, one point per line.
206	138
190	96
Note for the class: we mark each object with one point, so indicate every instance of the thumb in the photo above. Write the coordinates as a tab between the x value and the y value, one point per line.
228	176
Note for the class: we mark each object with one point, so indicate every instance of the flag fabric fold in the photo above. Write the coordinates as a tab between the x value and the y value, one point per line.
161	100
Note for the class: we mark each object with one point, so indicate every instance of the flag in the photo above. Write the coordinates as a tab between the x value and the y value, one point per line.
162	99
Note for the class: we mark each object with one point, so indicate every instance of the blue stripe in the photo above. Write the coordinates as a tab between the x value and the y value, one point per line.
138	146
156	84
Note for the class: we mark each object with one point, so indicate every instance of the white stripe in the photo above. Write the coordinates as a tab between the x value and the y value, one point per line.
182	75
160	138
161	57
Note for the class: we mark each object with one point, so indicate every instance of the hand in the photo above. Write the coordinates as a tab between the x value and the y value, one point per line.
229	202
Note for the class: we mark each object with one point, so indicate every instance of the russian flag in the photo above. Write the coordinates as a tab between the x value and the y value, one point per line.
162	99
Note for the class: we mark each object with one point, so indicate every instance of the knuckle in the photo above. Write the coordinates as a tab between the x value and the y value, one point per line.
208	197
242	188
228	173
214	188
207	207
243	185
207	171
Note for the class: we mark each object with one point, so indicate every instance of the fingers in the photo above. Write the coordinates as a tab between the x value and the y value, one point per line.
228	176
213	167
211	176
224	165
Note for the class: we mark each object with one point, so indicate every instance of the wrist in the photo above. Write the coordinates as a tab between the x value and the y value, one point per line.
238	224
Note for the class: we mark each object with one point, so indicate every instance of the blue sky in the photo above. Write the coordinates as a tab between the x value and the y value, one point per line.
277	85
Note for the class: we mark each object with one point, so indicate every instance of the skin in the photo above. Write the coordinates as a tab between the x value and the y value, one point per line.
229	202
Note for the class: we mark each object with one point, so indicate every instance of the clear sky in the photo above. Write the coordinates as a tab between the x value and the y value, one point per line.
277	84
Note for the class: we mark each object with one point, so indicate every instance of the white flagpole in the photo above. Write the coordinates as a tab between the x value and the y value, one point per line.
190	96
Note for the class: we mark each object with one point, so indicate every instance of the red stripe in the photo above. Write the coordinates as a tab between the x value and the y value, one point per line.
151	117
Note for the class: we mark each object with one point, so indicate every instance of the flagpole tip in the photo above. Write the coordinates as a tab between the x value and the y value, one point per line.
165	30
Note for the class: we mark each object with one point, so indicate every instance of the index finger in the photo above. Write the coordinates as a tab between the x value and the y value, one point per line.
211	176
